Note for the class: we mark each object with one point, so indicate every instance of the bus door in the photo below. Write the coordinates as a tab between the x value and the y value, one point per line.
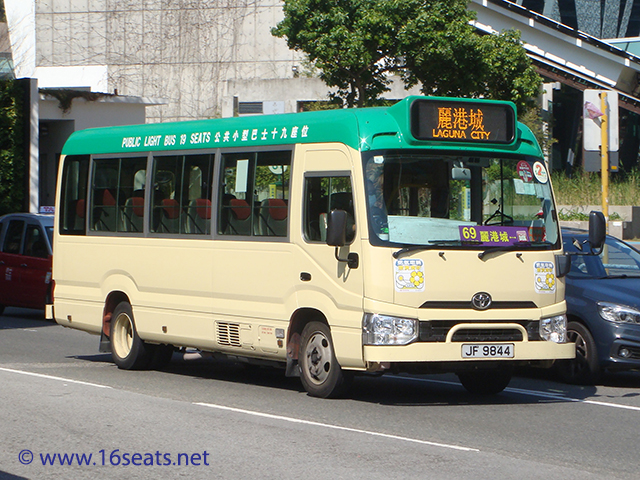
326	281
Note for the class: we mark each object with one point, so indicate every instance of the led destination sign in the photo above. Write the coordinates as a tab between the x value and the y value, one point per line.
468	121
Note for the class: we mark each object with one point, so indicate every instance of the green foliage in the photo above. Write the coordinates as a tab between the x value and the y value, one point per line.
12	147
585	188
583	217
357	44
349	41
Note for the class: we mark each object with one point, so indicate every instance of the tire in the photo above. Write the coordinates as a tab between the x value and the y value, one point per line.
486	382
128	351
320	373
585	368
1	309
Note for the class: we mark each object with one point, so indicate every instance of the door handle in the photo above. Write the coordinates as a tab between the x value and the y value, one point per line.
24	265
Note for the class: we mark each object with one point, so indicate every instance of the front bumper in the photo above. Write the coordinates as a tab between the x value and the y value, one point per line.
452	352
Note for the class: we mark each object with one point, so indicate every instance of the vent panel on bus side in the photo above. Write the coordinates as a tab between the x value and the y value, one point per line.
228	334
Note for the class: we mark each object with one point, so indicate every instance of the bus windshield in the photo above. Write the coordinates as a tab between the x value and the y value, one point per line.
440	200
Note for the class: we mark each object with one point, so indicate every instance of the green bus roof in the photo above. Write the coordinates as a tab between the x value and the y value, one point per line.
361	129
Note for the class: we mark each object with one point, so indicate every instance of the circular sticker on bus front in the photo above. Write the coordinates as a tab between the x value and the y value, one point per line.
524	171
540	172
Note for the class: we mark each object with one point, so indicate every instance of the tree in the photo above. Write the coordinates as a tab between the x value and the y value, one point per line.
358	44
12	145
350	41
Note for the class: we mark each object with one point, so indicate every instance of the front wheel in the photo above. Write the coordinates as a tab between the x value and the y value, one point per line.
584	369
128	351
486	382
320	373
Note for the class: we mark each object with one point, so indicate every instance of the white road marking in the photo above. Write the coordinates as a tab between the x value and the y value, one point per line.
335	427
534	393
51	377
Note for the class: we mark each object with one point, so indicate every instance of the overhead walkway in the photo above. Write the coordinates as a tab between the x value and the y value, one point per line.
565	54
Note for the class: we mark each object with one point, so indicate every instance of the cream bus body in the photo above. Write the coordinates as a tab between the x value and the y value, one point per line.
176	265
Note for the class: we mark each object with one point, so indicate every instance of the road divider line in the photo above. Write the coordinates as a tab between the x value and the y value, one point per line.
334	427
533	393
52	377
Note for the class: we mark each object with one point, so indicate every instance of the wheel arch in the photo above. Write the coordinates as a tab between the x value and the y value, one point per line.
297	322
110	304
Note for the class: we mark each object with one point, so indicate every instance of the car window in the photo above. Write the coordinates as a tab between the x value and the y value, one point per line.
620	259
617	258
49	231
35	243
13	238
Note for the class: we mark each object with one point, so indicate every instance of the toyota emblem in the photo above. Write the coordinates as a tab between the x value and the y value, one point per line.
481	301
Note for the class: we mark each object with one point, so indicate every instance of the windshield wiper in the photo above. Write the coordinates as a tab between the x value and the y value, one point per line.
503	248
432	245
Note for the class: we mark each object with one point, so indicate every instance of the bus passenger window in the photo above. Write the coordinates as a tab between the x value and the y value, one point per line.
117	200
323	194
254	194
73	198
180	195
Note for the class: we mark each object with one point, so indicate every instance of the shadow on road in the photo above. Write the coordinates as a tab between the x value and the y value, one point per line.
23	318
392	390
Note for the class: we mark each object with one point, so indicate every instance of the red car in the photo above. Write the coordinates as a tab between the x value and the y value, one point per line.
25	260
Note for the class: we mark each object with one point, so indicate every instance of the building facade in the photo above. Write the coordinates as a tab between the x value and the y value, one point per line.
186	51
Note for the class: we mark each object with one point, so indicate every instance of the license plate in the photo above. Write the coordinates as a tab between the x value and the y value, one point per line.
487	350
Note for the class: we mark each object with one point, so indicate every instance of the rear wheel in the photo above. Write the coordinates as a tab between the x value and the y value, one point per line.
1	309
585	368
486	382
320	373
128	351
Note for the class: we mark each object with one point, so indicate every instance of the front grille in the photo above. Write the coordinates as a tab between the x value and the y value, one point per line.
488	335
437	330
461	305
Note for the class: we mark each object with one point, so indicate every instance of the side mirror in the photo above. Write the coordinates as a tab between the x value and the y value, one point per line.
458	173
337	236
597	230
337	228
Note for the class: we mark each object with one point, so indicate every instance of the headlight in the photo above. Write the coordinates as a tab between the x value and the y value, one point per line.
554	329
385	330
618	313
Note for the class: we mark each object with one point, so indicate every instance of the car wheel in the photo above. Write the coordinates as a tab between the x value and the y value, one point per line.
128	351
1	309
584	369
320	373
486	382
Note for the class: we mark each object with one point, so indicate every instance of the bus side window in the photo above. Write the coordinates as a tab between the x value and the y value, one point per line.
195	194
116	205
73	199
254	194
180	195
103	195
323	194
